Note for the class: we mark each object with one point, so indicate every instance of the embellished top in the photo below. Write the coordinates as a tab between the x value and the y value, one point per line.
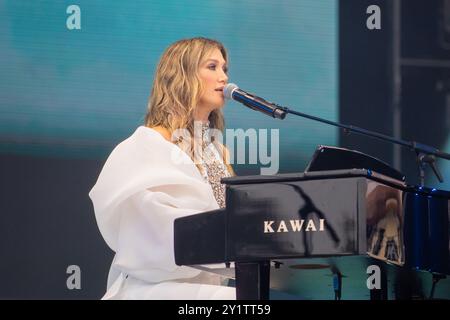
213	166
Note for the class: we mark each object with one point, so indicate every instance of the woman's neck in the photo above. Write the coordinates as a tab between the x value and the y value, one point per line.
202	116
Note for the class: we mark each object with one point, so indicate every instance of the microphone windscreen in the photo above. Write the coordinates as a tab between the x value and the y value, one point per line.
228	90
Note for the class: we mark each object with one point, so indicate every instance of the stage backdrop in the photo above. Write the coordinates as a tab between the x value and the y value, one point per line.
76	93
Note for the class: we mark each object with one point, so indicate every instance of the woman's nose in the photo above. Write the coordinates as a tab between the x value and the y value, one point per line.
224	77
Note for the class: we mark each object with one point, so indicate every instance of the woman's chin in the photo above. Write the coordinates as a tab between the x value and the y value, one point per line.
218	106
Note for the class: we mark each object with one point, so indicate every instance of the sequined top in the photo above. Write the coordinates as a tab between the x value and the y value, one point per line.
213	166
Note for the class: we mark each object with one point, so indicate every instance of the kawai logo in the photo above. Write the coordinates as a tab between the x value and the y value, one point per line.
271	226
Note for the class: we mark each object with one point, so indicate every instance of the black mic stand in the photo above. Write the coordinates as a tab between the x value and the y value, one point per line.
425	154
422	160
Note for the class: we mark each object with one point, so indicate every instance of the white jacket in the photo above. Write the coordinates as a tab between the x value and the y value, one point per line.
145	184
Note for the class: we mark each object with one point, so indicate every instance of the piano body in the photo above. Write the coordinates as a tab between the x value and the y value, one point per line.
310	231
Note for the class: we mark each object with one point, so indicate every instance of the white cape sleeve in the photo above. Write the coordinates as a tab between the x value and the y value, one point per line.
137	197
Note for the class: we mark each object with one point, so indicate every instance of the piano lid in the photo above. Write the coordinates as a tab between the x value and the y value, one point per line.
334	158
329	174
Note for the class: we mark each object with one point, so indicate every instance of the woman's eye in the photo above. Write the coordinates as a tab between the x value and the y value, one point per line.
213	67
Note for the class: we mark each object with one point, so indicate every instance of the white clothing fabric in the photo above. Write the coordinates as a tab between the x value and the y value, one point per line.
142	188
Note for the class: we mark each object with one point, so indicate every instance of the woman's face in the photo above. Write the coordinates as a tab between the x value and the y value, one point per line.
213	74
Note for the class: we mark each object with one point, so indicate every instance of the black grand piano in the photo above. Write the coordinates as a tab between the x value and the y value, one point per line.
347	212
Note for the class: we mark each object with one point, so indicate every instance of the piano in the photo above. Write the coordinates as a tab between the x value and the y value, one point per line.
335	223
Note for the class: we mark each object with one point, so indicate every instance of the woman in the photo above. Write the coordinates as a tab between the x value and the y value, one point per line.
144	186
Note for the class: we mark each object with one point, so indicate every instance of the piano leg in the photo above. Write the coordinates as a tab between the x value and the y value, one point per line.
252	280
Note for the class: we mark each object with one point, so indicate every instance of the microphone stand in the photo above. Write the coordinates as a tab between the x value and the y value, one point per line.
425	155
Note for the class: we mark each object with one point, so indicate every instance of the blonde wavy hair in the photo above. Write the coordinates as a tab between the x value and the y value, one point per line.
177	89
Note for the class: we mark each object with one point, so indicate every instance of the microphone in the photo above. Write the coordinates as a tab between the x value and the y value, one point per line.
232	91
